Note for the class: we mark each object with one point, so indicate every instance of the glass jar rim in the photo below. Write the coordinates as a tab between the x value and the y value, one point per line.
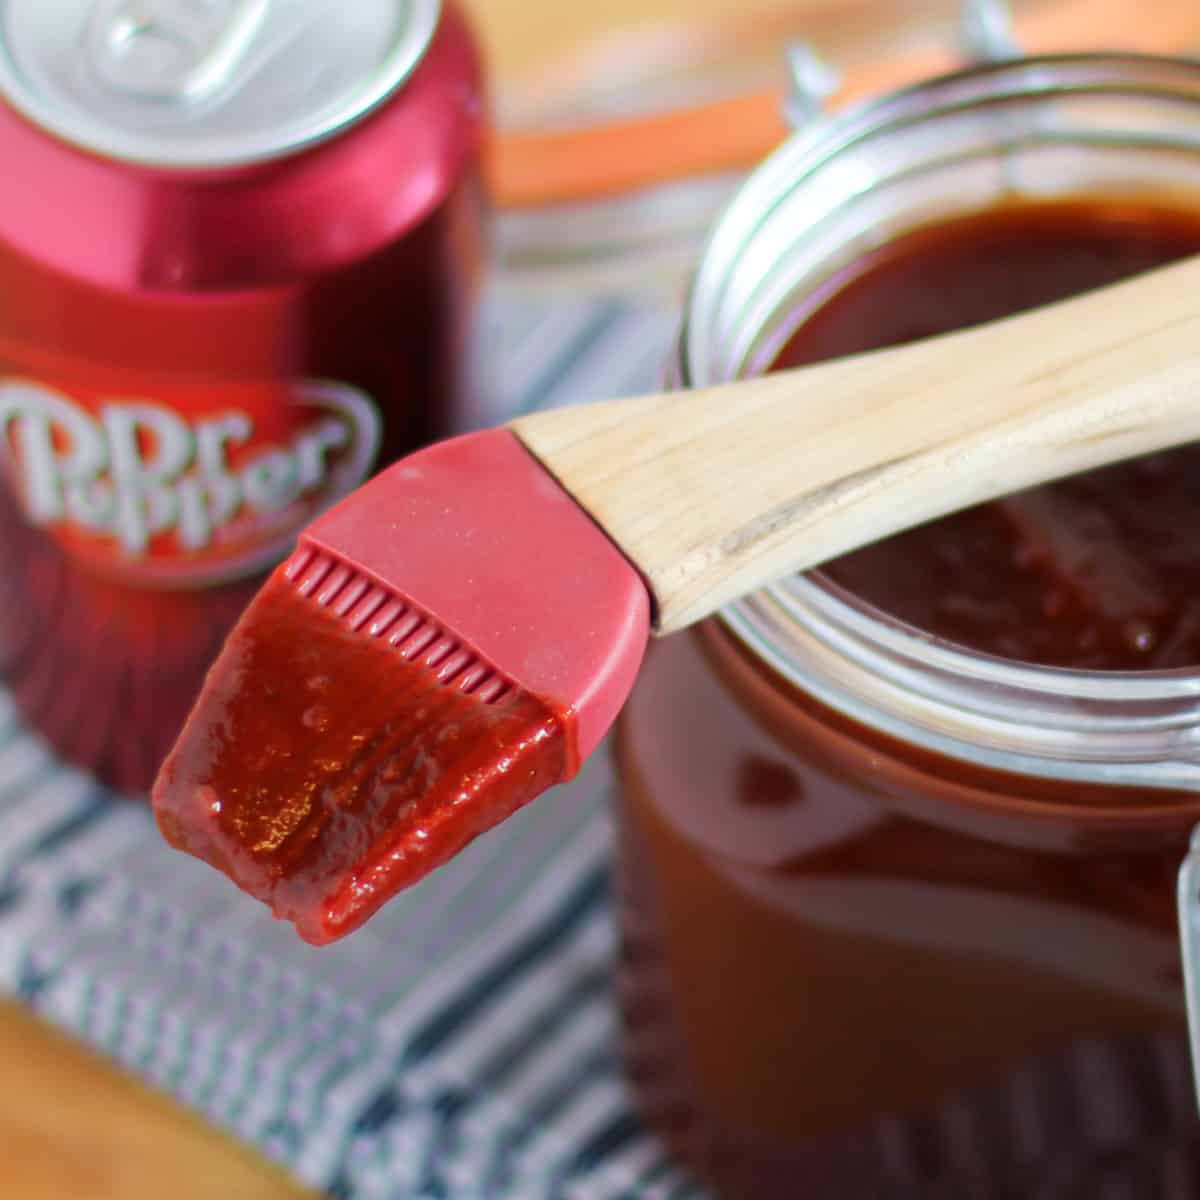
1138	729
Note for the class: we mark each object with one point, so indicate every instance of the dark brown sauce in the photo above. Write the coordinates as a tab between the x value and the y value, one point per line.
323	771
852	968
1101	571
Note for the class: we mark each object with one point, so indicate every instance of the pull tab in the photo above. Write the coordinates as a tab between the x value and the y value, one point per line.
1189	944
811	81
988	31
171	50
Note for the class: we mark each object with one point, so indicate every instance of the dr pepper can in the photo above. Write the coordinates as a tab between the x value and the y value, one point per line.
240	242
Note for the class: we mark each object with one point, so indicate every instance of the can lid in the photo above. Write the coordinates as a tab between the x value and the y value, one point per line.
206	83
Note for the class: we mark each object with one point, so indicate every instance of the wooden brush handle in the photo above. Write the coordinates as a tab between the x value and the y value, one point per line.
716	492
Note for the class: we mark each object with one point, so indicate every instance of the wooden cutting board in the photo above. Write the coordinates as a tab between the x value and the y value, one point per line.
74	1127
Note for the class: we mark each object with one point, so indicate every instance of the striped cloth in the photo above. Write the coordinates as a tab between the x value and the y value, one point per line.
462	1044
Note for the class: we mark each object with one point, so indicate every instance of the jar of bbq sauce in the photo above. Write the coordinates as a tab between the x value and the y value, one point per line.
900	838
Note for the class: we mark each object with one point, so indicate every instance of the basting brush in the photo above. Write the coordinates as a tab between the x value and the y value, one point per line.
458	635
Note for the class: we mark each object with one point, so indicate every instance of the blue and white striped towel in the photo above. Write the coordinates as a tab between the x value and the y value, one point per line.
462	1044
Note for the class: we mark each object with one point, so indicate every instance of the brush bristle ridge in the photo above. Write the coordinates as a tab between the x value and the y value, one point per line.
367	607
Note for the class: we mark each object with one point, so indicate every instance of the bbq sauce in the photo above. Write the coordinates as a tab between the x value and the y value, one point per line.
1100	571
841	950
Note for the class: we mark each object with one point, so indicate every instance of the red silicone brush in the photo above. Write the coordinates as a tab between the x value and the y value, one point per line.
458	635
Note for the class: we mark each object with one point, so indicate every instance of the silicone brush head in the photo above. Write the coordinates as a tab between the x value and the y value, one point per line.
445	644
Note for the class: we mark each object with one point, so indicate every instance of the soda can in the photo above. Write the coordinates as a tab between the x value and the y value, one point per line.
240	244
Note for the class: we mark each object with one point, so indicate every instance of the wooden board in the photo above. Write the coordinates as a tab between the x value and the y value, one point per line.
73	1127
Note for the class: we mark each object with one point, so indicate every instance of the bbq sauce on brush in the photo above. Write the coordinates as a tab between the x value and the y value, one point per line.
326	769
1099	571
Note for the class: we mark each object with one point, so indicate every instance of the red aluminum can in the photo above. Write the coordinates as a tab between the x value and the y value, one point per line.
239	248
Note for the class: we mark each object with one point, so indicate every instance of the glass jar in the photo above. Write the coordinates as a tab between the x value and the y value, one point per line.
898	918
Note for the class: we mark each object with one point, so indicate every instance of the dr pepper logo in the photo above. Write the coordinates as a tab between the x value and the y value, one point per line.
166	497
